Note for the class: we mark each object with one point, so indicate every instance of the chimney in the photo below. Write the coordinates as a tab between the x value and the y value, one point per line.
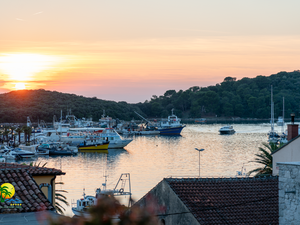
292	128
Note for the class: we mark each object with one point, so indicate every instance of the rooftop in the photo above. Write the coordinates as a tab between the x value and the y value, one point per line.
33	170
229	200
26	190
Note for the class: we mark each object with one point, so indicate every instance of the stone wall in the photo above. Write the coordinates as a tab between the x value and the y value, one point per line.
289	193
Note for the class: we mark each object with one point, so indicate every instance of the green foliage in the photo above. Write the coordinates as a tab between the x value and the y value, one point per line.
60	198
247	98
264	157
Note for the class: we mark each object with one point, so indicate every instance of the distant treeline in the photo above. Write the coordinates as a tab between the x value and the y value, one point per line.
245	98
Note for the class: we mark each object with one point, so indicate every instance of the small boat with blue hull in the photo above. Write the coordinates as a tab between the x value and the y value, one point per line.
170	126
171	130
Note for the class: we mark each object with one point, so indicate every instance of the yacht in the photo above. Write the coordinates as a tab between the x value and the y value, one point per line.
227	130
76	136
19	153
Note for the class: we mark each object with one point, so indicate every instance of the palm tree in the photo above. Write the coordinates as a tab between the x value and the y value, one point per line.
19	130
27	131
5	133
265	158
60	198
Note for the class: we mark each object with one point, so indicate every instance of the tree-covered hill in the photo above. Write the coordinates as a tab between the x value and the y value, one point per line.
40	104
245	98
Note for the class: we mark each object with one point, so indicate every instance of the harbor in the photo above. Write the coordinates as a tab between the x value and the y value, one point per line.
151	158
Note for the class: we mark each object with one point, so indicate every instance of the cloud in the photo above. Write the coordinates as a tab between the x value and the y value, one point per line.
37	13
19	19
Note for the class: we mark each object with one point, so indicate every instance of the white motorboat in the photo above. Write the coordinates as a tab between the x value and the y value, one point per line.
79	135
227	130
4	148
19	153
8	155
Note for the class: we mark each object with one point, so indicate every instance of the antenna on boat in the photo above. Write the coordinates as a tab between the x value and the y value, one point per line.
105	181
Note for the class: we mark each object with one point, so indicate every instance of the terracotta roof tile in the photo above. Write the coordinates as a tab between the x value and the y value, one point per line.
33	170
33	199
229	200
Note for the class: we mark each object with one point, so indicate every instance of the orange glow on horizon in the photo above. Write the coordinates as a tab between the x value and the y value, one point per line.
20	86
19	67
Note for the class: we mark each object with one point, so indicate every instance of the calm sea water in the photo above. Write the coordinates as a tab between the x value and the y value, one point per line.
149	159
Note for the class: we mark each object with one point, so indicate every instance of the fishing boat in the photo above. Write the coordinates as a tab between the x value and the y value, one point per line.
93	145
170	126
227	130
81	207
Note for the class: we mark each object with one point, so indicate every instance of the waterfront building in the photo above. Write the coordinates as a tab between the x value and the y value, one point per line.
288	152
27	196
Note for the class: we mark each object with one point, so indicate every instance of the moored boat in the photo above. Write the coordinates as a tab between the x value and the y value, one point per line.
280	121
55	148
227	130
19	153
170	126
82	205
88	145
200	120
79	135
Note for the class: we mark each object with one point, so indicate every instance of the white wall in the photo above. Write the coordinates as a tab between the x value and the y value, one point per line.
289	153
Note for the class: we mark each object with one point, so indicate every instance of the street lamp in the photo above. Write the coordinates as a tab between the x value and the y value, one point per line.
199	150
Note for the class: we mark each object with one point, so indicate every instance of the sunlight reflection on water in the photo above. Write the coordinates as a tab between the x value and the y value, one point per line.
149	159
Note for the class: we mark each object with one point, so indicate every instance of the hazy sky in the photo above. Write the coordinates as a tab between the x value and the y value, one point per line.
130	50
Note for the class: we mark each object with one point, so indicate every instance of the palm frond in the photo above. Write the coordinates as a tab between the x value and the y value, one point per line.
61	191
60	198
265	158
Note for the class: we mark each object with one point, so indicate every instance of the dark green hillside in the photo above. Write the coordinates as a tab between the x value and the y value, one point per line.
245	98
15	106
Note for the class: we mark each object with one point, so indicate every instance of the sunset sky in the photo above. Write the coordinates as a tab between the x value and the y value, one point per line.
130	50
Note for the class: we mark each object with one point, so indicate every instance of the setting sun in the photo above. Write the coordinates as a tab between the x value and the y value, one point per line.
23	67
20	86
16	68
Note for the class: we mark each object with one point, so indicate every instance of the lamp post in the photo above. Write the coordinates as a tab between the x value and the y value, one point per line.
199	150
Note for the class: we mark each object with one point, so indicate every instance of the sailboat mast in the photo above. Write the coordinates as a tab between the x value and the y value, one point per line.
282	114
272	110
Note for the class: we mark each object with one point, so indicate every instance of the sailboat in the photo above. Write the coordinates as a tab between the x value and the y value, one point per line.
283	136
273	136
